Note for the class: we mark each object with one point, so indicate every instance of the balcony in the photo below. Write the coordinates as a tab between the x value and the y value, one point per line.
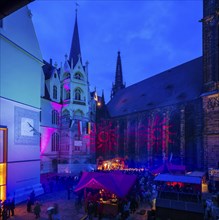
79	102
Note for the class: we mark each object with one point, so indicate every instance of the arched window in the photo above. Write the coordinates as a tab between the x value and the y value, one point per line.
66	75
78	75
67	94
55	92
55	117
77	94
55	142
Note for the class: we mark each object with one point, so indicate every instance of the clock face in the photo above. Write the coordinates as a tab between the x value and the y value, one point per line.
27	126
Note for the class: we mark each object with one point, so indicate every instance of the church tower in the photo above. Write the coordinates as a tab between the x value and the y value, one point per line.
65	136
118	78
211	45
76	99
210	94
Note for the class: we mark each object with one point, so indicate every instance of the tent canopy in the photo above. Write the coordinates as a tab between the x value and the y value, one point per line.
169	168
114	182
178	178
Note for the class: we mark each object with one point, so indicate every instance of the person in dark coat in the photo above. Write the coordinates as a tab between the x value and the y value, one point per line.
4	214
90	210
12	206
29	204
37	210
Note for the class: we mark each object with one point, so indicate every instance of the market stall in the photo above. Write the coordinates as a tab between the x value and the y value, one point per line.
112	164
105	189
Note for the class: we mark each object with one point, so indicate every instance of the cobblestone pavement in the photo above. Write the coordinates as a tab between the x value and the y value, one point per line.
66	208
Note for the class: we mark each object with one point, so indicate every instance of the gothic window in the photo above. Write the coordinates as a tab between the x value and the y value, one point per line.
78	112
55	142
67	94
78	75
55	117
65	118
55	92
66	75
77	94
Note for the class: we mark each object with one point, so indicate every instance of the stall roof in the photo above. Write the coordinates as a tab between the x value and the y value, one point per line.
115	182
178	178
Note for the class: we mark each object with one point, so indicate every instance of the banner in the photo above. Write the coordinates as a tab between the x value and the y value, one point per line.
79	128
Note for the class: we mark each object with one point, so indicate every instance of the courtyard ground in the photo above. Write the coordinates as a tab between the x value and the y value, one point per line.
66	208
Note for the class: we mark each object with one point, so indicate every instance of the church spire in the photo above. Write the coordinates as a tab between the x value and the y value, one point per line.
118	78
75	52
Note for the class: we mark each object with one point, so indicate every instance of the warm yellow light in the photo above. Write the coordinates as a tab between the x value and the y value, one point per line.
2	181
98	103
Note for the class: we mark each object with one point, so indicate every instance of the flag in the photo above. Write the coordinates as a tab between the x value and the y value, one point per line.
79	128
71	123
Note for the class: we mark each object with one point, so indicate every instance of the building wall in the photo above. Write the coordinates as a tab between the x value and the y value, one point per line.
211	130
210	94
21	59
20	83
148	138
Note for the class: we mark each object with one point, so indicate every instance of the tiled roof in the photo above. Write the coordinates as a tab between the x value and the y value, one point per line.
179	84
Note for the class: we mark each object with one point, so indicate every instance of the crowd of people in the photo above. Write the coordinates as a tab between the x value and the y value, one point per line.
7	208
144	192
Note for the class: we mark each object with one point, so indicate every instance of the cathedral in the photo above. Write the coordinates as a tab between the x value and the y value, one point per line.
52	122
172	116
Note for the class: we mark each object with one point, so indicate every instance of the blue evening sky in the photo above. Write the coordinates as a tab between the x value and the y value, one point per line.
151	35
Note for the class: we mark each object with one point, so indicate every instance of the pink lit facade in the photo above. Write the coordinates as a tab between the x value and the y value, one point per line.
68	110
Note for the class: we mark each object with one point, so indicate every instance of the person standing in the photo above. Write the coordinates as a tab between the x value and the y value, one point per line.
37	209
11	206
29	204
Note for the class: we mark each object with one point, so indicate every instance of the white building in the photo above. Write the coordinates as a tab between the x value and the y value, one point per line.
20	104
68	113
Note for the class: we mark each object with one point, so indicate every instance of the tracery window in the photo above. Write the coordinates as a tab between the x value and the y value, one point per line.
77	94
55	117
55	142
67	94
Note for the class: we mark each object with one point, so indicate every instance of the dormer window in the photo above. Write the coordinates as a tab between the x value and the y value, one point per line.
55	92
55	75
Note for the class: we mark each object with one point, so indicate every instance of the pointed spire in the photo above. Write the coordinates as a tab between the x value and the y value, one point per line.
118	78
103	98
75	51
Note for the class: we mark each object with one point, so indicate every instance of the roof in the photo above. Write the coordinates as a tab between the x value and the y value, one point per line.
47	69
178	178
9	6
169	168
179	84
75	50
114	182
